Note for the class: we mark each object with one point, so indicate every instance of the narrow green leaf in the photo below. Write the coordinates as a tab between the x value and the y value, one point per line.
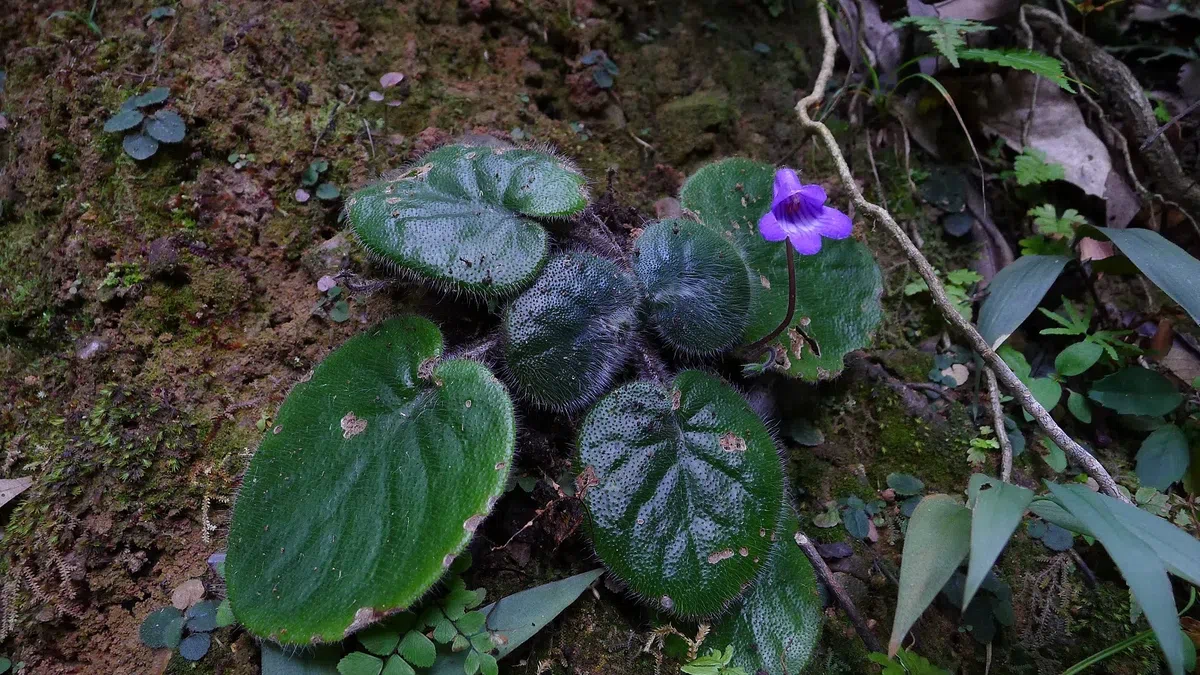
1163	457
937	540
520	616
1053	512
1021	59
1136	391
1178	550
1164	263
1139	564
998	510
1015	292
1076	359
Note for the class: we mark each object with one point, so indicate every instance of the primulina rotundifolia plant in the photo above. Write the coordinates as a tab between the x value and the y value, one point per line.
383	464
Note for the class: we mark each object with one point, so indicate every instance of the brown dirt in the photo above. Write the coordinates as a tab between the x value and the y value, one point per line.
154	313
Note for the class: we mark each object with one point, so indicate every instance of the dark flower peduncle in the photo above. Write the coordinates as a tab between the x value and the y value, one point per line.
755	348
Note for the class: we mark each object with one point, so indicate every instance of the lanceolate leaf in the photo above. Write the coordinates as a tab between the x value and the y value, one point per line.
1138	563
1020	59
937	540
1015	292
998	510
1053	512
377	472
1077	358
1167	265
686	490
697	286
568	335
777	626
462	217
518	617
1178	550
1136	391
837	290
1163	457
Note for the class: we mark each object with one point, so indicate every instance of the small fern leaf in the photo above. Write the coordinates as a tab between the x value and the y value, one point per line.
1021	59
947	35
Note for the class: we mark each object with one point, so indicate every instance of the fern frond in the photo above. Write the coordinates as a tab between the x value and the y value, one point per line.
1022	59
947	35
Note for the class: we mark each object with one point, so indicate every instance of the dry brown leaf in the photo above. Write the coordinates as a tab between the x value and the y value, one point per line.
975	10
11	487
1059	130
187	594
1094	249
878	35
1182	362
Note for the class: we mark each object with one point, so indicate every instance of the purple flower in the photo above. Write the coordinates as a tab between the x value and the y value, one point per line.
798	213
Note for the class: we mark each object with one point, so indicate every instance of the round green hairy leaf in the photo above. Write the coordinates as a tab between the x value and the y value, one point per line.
568	336
837	290
777	626
462	216
685	490
697	286
378	471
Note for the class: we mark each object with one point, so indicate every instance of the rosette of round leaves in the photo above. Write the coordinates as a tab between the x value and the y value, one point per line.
684	490
463	217
376	475
568	335
838	290
776	627
697	286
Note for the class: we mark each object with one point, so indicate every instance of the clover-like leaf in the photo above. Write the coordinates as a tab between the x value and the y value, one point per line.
166	126
568	335
697	286
202	617
162	628
417	649
195	646
124	120
153	97
360	663
463	217
838	290
685	490
139	146
778	624
313	553
328	192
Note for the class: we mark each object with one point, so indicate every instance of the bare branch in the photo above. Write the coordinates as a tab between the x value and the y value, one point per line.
1005	374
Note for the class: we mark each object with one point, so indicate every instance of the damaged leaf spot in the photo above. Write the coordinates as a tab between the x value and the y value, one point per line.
352	426
472	523
718	556
731	442
766	283
364	617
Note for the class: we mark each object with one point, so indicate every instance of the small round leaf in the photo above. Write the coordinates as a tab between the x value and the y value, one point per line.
195	646
166	126
397	666
152	97
905	484
139	146
328	192
124	120
685	490
202	617
162	628
697	286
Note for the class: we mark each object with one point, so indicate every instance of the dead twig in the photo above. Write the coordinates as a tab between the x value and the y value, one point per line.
839	593
1006	449
1005	374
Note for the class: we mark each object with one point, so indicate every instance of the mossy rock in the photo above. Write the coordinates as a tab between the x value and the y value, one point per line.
687	125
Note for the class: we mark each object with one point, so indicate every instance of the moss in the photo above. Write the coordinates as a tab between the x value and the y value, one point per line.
686	125
910	365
